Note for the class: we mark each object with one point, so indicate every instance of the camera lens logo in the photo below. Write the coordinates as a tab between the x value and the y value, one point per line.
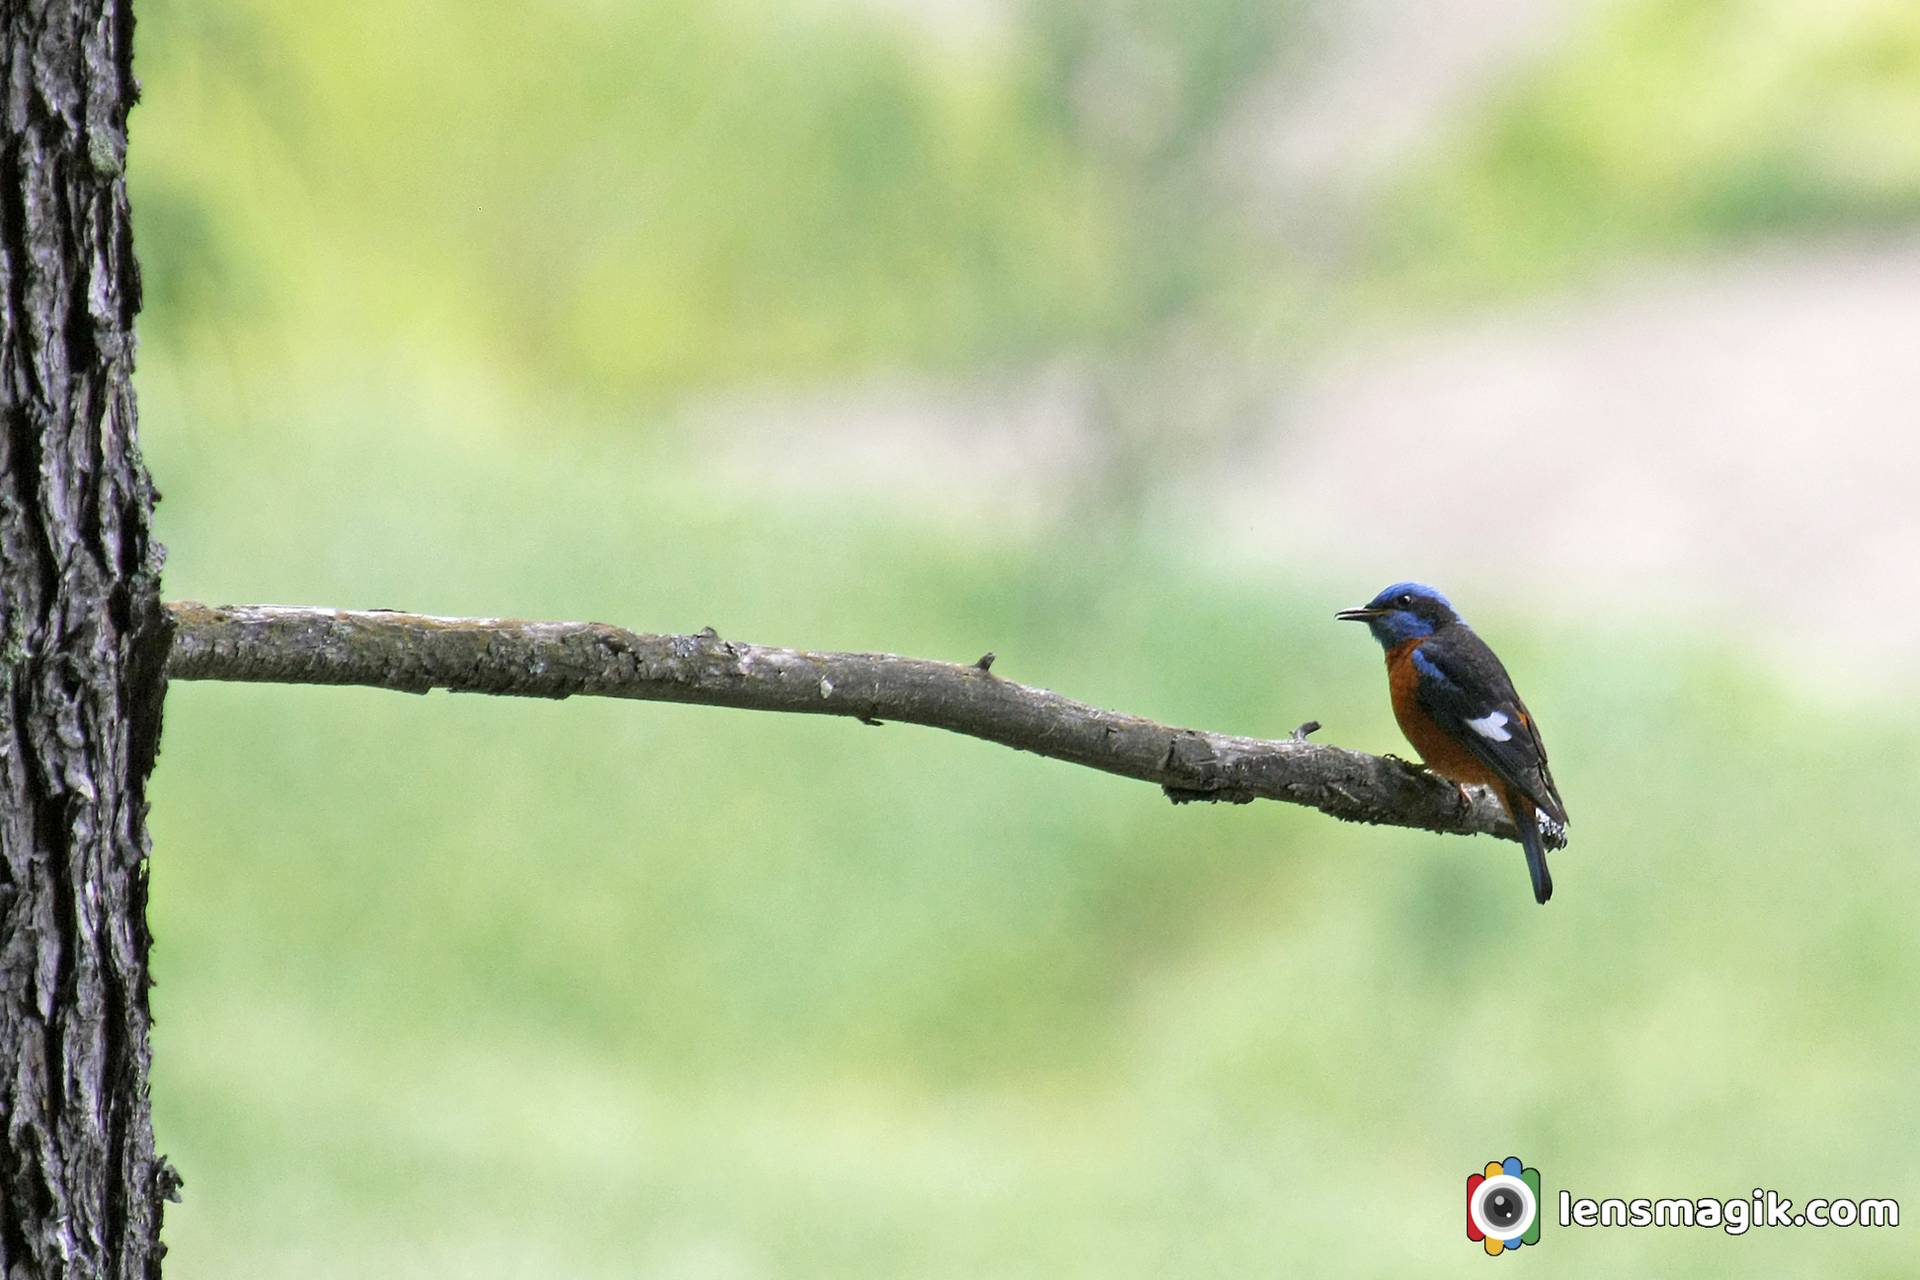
1503	1206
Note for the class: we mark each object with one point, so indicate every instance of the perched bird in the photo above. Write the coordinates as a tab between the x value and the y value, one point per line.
1456	704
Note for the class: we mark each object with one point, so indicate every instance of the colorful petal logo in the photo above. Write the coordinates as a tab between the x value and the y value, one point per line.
1503	1206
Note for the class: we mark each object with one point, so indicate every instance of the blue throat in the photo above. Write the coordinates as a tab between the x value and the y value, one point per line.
1398	627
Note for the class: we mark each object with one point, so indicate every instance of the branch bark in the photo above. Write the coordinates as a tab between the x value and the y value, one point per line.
412	653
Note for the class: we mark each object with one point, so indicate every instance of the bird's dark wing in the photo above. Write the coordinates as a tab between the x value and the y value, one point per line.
1469	694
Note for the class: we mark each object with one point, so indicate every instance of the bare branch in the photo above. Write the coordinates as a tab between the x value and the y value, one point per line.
412	653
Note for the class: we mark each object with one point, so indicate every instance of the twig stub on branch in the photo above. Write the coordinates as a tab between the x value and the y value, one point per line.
414	653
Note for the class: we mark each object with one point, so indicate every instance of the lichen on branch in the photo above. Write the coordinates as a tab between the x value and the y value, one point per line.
414	653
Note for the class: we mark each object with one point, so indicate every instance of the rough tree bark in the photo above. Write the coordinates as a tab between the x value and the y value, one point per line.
82	639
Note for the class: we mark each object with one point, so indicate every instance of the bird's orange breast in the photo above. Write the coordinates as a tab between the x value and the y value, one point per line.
1438	749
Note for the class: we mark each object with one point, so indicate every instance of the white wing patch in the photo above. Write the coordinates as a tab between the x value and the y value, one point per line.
1492	725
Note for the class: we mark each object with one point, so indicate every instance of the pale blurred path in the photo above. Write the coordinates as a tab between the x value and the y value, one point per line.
1734	443
1738	443
1731	442
1374	81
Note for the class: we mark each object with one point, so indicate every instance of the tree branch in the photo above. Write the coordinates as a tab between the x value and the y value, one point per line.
412	653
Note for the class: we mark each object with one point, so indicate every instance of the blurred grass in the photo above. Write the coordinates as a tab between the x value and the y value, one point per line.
486	988
602	989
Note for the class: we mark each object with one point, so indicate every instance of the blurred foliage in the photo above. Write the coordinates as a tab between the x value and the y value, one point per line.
637	199
490	987
1671	126
476	987
628	197
1143	91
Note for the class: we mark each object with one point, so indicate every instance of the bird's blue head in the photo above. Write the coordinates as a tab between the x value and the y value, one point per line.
1404	611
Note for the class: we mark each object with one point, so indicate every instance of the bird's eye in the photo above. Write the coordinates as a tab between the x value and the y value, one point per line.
1406	601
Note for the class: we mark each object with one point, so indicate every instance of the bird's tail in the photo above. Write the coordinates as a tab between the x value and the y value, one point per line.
1528	823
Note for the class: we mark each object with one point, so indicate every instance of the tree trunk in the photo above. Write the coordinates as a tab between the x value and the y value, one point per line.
82	637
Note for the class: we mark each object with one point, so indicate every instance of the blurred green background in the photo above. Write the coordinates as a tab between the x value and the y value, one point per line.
938	328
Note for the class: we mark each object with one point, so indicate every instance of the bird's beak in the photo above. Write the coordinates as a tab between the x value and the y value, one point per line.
1359	615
